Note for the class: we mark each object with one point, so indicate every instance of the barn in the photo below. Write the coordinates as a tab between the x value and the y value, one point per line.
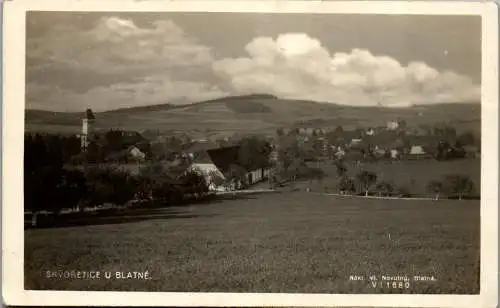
223	164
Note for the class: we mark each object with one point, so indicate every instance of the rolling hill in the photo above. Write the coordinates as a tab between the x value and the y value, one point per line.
257	113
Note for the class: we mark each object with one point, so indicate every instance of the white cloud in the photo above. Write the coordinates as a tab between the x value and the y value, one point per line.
297	66
115	44
148	91
120	64
151	63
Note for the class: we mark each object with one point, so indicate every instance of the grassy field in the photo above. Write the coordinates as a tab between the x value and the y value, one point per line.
288	242
413	174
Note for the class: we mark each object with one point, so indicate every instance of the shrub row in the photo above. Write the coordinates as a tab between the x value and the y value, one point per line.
54	188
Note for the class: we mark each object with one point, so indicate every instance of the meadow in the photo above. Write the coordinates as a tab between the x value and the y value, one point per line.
280	242
411	174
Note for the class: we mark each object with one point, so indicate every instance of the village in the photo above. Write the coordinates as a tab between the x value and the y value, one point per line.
298	158
270	154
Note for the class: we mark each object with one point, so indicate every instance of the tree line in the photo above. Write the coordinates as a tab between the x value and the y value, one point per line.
54	179
50	184
367	183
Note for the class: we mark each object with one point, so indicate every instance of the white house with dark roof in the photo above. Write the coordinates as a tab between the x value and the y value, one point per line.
208	171
392	125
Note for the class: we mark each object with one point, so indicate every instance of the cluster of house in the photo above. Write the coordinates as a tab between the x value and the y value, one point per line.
384	141
395	150
217	164
212	159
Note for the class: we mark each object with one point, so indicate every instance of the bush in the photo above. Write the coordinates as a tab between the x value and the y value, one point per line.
403	192
52	188
346	185
458	186
300	170
109	185
167	193
155	183
435	187
166	187
194	184
386	189
341	168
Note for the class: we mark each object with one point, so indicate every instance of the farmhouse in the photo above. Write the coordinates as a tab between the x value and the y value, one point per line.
209	172
227	160
417	152
392	125
139	151
339	152
395	153
379	152
223	164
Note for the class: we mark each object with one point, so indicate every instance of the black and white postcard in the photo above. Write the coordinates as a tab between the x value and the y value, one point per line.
232	153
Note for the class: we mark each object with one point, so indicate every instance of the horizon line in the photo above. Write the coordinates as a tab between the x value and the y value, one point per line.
268	96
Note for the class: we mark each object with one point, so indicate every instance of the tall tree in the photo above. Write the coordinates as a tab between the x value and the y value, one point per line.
385	188
459	185
435	187
346	185
341	168
47	185
366	179
402	124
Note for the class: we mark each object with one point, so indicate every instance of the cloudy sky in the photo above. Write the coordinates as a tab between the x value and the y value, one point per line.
113	60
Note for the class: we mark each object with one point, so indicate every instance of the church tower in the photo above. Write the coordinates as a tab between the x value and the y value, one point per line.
87	129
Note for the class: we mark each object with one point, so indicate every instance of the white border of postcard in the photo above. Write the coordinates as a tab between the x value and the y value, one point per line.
13	136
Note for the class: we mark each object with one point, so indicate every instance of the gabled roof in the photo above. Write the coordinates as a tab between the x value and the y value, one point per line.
200	146
202	157
205	168
417	149
223	158
130	148
142	146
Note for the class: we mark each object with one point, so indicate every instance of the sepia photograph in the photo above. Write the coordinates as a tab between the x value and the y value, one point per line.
253	152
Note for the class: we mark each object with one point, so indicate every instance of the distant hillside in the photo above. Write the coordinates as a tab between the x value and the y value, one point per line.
149	108
256	114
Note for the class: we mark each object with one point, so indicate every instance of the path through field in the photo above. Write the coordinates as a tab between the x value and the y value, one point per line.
290	242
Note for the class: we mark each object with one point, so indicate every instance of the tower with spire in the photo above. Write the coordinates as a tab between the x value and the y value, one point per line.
87	129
